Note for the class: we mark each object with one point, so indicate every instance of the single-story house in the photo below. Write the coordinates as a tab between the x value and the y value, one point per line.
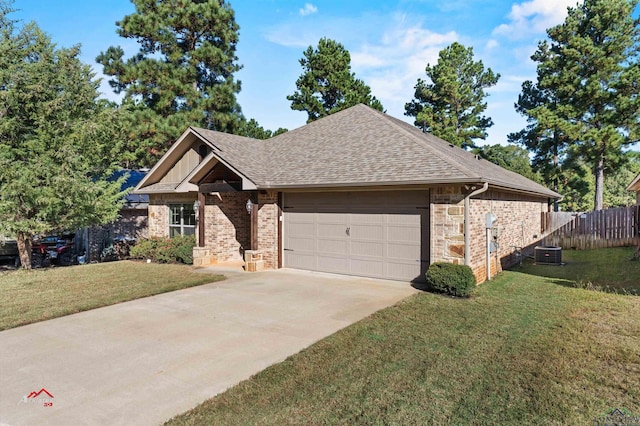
635	186
358	192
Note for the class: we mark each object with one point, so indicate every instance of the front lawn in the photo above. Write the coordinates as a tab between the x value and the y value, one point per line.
524	350
41	294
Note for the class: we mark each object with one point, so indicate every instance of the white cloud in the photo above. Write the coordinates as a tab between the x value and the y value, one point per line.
308	9
392	66
533	17
491	44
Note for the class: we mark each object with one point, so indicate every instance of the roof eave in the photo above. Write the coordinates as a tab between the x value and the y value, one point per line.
428	182
635	184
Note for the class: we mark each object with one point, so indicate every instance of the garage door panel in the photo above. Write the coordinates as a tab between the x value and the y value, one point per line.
403	270
332	230
332	246
403	234
407	219
367	248
370	233
302	229
367	268
330	217
335	264
302	244
302	260
366	232
367	218
403	251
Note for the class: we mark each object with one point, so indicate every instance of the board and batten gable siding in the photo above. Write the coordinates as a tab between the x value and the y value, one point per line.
183	166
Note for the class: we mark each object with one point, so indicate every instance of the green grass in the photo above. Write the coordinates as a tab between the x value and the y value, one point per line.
523	350
37	295
609	270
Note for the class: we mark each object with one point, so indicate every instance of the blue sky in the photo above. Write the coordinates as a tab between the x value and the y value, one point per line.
390	41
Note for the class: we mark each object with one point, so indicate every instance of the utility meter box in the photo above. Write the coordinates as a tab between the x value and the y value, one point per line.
491	220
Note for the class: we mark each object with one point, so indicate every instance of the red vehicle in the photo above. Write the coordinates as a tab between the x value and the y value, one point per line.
39	255
58	249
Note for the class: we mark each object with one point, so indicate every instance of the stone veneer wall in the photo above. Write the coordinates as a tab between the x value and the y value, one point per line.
268	219
447	225
515	212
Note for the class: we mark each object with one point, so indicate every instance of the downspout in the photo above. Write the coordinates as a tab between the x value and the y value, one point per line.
467	244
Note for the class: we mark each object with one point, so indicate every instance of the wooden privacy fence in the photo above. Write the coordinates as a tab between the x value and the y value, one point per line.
617	227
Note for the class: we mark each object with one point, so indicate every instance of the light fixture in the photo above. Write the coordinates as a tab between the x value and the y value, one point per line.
249	206
196	205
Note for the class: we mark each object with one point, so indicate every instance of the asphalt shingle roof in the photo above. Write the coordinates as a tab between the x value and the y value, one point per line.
358	146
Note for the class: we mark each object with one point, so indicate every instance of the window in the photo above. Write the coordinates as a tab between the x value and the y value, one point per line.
182	220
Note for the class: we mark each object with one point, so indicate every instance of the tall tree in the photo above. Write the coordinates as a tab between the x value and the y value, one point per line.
452	104
615	183
57	142
252	129
183	73
327	84
590	65
510	157
548	144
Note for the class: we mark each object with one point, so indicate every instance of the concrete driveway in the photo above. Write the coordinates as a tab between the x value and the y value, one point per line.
142	362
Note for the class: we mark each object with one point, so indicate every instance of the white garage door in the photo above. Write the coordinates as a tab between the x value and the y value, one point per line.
382	234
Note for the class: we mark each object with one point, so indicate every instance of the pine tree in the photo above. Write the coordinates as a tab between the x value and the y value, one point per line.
58	143
451	105
544	139
183	74
327	84
589	69
510	157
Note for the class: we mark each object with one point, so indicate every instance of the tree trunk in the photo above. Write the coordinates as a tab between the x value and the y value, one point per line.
24	249
598	203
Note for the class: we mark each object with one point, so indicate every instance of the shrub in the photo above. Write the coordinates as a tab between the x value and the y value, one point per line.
456	280
165	250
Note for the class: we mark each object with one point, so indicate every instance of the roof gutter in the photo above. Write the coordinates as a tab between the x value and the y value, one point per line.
467	244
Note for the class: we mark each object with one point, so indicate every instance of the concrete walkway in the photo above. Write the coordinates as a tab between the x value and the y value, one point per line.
145	361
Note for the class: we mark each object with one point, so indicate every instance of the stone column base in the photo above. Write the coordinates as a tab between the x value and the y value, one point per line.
203	256
253	261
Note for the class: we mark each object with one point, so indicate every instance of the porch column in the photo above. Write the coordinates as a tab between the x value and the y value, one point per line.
253	222
202	200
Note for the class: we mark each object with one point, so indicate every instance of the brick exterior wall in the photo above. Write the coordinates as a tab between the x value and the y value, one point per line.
519	221
131	223
159	211
268	219
227	225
